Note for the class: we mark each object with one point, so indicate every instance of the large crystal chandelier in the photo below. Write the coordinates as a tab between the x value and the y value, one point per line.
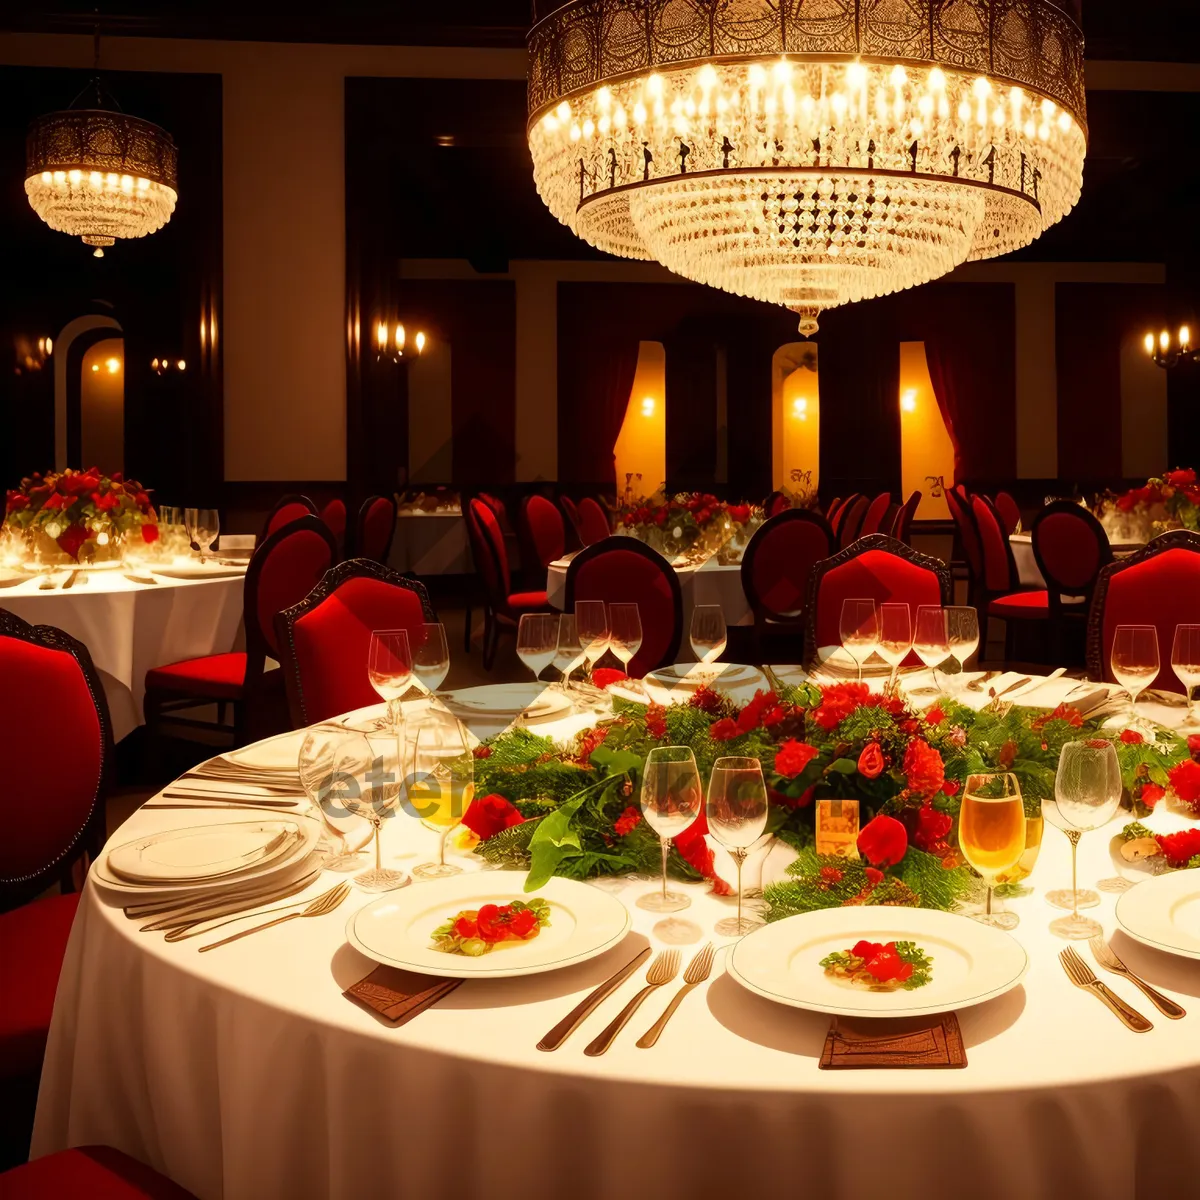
807	152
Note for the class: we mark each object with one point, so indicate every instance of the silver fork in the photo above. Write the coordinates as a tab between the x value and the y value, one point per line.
697	972
1082	976
181	933
1107	957
318	908
662	970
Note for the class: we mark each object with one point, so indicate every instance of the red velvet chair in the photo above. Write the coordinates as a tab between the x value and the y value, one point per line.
375	529
572	510
334	515
324	640
287	509
88	1173
967	552
1159	585
877	510
875	567
50	829
850	520
622	570
504	607
774	572
284	569
593	522
776	503
902	522
832	511
543	533
1070	548
1002	597
1008	512
842	512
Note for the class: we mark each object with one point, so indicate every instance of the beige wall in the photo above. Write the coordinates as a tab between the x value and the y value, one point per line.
102	407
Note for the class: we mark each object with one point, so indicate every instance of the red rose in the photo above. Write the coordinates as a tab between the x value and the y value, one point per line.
106	501
870	761
705	699
739	513
1193	745
55	502
695	852
723	730
486	816
141	500
72	538
932	826
1185	779
883	841
1180	478
627	821
924	770
149	533
1180	848
603	677
1151	794
792	757
1131	737
838	701
935	716
16	501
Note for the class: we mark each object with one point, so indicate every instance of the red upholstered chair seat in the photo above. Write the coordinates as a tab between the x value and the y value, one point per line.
88	1173
33	940
1021	606
521	602
219	676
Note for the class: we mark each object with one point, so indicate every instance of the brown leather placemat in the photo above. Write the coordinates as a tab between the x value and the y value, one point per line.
906	1042
398	995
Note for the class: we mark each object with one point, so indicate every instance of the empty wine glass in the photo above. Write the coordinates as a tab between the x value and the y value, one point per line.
1134	660
737	817
1185	662
320	752
991	833
1087	791
671	798
591	620
708	634
372	789
624	632
929	638
568	653
203	525
537	641
962	633
430	654
389	668
859	629
441	785
895	636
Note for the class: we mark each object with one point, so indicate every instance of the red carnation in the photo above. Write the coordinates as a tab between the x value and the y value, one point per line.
1180	848
838	701
1131	737
723	730
1193	745
1185	779
932	826
1151	794
792	757
656	721
149	533
830	875
935	716
105	501
870	761
923	768
883	841
1180	478
627	821
705	699
486	816
1064	712
603	677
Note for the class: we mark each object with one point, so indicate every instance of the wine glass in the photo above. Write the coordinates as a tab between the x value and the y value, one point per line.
537	641
1185	662
895	636
430	661
859	629
202	525
371	788
708	634
320	752
737	817
962	633
441	785
389	668
568	653
1087	790
930	639
671	798
591	620
991	833
1134	660
624	632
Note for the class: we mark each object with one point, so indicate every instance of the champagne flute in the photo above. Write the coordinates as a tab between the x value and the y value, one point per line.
389	668
991	833
930	640
962	633
1134	660
1185	662
708	635
671	798
441	786
624	632
1087	791
859	629
372	790
323	746
568	653
895	636
737	817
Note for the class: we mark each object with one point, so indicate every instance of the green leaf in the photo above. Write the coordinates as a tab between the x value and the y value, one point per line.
554	840
844	766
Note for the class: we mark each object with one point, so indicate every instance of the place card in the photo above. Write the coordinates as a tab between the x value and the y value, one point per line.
398	995
837	828
906	1042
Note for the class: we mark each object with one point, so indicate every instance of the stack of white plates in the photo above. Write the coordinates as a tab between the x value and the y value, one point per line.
505	700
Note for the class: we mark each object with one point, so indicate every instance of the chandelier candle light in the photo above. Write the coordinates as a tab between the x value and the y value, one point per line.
808	153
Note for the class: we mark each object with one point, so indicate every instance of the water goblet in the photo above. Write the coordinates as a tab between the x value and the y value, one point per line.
737	817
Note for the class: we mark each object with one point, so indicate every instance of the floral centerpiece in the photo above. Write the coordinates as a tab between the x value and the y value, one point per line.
687	523
1172	502
80	516
573	809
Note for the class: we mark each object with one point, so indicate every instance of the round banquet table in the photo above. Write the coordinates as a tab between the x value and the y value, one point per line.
709	583
1027	568
431	544
130	627
245	1073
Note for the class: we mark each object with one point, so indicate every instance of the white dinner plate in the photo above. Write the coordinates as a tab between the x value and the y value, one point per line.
694	674
204	852
396	928
197	571
1164	912
834	660
506	700
972	962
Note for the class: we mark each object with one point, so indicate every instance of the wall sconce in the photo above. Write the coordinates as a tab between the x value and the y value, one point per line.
1165	354
45	347
908	400
113	365
800	408
160	366
647	406
390	342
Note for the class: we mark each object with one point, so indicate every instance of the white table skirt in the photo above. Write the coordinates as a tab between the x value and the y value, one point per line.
431	544
130	628
244	1073
1027	568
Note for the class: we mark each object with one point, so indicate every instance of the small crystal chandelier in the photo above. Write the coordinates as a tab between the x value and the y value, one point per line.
809	153
99	174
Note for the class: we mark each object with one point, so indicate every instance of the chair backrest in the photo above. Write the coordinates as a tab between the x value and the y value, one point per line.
850	519
776	563
902	523
375	528
1008	512
999	571
1070	548
542	531
491	553
968	534
872	521
572	510
875	567
838	515
334	515
832	510
287	508
776	503
1158	585
593	524
325	639
49	677
622	570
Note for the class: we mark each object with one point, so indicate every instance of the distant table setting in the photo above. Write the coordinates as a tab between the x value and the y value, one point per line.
1027	568
431	542
280	941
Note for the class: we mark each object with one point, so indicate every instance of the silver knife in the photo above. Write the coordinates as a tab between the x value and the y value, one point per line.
1012	686
574	1018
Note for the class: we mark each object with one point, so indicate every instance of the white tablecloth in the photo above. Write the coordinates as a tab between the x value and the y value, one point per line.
131	627
1027	568
431	544
245	1073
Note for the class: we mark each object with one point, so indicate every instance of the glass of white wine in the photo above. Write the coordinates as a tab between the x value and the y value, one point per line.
1134	660
737	817
991	833
441	785
671	799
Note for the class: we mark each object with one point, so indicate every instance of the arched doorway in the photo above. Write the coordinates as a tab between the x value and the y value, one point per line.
75	434
795	418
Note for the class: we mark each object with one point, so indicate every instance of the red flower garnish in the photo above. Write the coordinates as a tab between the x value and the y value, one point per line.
1151	794
870	761
874	876
1180	478
627	821
695	852
723	730
482	752
792	757
1185	779
935	716
932	826
838	701
740	513
486	816
831	875
705	699
1131	737
656	721
883	841
950	787
923	768
72	538
603	677
149	533
1193	745
1180	848
1064	712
